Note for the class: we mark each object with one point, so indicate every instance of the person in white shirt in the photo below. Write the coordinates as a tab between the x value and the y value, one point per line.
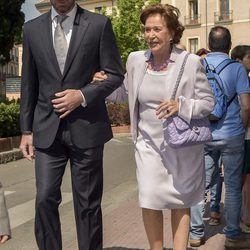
64	117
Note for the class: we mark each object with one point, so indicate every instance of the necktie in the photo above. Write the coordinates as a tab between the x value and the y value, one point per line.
61	46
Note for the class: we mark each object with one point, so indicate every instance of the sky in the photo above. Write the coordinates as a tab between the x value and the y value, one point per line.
30	10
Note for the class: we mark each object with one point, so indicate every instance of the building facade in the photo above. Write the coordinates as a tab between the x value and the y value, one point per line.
9	70
199	16
92	5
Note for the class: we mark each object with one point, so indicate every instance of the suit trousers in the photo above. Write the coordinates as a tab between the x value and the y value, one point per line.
87	186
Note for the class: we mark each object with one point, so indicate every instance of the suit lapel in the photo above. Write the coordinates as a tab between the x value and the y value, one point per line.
48	41
79	30
141	65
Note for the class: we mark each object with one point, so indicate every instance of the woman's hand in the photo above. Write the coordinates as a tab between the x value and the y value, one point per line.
167	108
100	76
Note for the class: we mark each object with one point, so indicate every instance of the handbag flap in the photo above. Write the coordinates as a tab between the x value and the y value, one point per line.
180	123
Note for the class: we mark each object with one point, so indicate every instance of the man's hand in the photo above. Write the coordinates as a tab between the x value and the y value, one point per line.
3	238
100	76
66	101
167	108
26	147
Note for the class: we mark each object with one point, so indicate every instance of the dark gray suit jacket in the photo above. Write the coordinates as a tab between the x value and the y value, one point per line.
92	48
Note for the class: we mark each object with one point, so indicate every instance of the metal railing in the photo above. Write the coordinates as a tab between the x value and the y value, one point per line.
4	75
226	16
192	20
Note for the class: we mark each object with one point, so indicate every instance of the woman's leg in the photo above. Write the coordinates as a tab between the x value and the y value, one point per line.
153	223
180	219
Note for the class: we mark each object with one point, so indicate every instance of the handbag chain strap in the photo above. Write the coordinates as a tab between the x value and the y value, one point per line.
179	77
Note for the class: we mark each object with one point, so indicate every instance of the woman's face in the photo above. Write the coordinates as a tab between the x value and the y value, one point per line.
157	35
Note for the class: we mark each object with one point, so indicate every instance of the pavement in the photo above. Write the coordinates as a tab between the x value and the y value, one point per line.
123	230
123	227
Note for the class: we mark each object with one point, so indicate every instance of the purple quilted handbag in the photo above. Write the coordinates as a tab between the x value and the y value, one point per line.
179	133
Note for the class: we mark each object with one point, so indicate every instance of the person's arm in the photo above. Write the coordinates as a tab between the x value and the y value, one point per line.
198	107
29	95
5	233
245	108
203	102
110	63
243	91
120	95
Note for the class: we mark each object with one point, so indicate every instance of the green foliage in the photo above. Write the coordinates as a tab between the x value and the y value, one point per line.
8	101
11	22
155	1
9	119
127	27
118	113
125	19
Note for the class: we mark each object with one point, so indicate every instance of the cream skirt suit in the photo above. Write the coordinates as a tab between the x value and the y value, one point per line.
167	177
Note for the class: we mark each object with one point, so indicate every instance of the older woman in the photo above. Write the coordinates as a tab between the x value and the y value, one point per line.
168	178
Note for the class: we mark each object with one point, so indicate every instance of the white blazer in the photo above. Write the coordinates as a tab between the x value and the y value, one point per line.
194	92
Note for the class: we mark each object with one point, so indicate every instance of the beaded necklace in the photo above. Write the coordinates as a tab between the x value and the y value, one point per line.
158	67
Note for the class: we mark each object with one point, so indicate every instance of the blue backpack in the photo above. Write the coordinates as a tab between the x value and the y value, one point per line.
222	101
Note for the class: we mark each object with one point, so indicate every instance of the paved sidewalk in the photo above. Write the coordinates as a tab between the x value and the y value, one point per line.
123	226
123	230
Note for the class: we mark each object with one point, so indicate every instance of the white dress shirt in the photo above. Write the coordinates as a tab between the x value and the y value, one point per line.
67	26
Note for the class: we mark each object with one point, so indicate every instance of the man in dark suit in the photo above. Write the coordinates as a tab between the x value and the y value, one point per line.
63	115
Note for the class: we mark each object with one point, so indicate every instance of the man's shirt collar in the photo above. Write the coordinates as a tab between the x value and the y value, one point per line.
70	14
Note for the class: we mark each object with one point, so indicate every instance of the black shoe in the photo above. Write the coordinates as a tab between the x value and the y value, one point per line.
240	243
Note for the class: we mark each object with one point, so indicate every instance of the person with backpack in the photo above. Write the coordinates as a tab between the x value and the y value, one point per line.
214	179
229	82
